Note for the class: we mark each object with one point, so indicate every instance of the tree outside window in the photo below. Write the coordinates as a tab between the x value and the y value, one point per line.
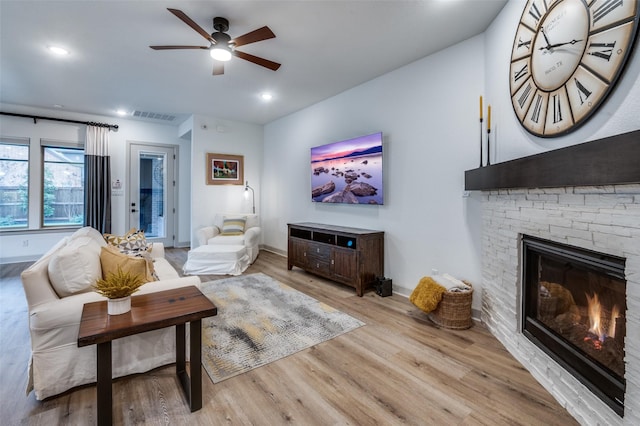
14	185
63	187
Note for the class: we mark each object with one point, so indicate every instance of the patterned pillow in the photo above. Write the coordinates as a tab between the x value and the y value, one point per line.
233	225
132	242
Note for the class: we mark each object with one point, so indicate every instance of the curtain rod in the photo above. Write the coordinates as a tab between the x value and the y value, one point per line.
37	117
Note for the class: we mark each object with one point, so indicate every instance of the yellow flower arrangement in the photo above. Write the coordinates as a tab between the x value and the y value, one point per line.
118	284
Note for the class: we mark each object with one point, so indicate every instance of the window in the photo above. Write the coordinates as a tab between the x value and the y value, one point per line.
14	183
63	186
41	185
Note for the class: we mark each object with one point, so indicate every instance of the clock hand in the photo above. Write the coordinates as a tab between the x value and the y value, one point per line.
574	41
545	38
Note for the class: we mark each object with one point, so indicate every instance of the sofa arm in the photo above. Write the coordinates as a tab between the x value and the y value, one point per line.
252	236
155	286
206	233
157	250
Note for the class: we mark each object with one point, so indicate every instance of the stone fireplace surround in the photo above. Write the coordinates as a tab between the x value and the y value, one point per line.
604	218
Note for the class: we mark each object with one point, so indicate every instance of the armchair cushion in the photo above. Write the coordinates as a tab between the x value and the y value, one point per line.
233	225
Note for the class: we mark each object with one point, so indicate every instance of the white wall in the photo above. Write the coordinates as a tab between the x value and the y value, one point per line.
428	112
12	247
211	135
619	114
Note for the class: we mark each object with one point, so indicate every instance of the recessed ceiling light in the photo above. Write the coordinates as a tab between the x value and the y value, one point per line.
266	96
60	51
58	106
121	112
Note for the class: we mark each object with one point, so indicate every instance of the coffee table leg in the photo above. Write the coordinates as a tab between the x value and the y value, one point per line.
195	351
104	384
192	386
180	350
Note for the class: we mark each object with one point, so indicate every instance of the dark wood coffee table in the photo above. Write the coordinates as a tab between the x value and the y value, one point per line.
148	312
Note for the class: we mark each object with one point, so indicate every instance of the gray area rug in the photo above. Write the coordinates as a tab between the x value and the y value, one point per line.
261	320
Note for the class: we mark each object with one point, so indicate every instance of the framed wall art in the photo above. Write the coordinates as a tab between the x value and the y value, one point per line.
223	169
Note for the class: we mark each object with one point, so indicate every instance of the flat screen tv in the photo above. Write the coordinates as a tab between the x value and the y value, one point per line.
348	171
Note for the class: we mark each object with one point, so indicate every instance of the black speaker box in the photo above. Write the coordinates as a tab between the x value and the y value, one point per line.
383	286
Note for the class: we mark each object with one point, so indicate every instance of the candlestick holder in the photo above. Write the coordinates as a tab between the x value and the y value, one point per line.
480	141
488	147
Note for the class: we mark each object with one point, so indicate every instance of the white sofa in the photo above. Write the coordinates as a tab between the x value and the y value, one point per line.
57	364
250	239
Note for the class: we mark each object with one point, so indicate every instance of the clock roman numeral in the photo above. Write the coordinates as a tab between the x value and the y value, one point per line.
522	100
607	7
582	91
557	111
535	114
521	72
605	52
526	43
535	12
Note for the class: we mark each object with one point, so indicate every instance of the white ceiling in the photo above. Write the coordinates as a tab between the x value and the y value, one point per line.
325	47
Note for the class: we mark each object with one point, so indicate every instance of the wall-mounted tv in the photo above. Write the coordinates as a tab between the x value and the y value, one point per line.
348	171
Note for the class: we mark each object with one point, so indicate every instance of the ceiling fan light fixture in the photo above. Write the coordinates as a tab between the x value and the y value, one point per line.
57	50
220	53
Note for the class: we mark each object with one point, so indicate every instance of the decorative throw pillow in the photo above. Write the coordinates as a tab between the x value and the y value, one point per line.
76	266
111	258
233	225
132	242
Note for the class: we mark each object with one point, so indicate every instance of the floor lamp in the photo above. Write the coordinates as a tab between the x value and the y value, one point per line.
253	195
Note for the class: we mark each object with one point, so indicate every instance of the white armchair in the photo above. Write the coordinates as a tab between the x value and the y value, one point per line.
250	238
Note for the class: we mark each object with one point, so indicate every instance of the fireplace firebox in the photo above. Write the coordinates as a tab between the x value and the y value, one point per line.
573	308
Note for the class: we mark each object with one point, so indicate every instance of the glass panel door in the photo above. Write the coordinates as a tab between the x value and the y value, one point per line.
151	192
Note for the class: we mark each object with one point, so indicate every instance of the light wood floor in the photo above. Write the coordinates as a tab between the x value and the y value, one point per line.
398	369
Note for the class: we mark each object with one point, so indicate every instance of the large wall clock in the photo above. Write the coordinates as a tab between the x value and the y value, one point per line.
567	56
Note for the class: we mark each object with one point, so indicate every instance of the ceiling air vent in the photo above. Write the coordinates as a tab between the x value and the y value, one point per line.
154	115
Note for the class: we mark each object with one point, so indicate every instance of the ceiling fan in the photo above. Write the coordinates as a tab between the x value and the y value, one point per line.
222	46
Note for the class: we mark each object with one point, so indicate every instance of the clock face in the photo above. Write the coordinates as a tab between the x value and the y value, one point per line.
567	56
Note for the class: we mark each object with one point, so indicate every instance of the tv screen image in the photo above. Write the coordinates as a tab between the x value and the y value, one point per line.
348	171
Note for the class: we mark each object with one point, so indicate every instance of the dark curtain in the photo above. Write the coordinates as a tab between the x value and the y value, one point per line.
97	193
97	179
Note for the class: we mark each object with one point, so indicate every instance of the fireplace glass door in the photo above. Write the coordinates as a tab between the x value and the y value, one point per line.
574	306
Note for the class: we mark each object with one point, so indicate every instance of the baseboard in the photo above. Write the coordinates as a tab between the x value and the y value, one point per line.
19	259
274	250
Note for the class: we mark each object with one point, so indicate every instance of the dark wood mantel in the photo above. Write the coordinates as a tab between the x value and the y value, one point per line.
608	161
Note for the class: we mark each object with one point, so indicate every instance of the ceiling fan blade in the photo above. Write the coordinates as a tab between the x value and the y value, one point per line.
184	18
177	47
257	60
218	68
260	34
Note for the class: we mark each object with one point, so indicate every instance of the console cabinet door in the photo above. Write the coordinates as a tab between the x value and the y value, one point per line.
345	265
299	255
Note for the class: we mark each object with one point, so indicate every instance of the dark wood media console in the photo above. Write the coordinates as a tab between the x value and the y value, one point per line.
350	256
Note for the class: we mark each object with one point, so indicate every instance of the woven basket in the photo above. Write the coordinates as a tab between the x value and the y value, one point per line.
454	310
